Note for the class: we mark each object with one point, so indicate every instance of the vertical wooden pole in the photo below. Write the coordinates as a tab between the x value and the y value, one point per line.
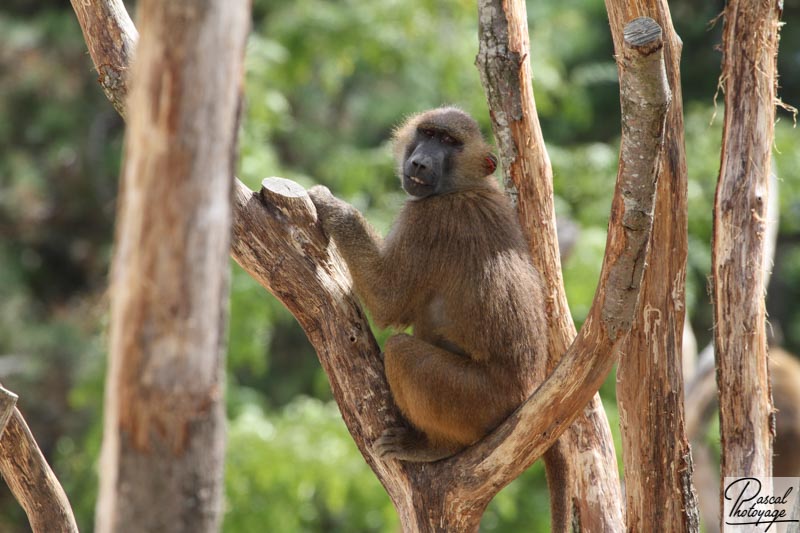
749	78
163	442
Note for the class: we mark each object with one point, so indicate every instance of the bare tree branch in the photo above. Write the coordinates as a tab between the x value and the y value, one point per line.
28	475
658	465
277	240
749	74
581	466
111	37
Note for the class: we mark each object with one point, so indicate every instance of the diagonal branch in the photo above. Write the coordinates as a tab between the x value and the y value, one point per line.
504	65
111	37
8	401
28	475
277	240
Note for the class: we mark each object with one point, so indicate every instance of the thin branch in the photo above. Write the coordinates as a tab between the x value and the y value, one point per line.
111	37
30	478
8	400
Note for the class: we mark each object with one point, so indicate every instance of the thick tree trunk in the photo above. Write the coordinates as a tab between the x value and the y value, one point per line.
750	47
277	240
581	466
658	465
163	444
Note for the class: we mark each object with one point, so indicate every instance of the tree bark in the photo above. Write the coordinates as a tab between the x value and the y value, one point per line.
163	443
749	78
277	240
656	453
8	401
30	478
581	466
701	389
111	37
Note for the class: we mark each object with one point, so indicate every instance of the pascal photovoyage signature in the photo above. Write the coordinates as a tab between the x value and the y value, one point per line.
752	507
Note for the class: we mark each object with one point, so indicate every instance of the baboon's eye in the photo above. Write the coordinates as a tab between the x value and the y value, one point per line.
427	132
447	139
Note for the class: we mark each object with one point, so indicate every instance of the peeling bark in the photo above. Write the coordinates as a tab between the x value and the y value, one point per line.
656	452
749	78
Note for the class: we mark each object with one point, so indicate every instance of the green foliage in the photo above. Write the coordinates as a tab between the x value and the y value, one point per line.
299	470
367	78
523	505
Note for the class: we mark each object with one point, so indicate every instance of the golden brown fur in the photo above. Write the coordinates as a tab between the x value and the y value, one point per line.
784	372
455	267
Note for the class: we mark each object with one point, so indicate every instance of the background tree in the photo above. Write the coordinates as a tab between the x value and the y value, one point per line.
164	425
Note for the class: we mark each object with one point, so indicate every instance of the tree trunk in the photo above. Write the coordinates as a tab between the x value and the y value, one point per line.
163	444
581	467
657	458
750	47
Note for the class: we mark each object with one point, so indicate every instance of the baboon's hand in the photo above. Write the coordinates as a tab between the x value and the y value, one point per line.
334	214
320	195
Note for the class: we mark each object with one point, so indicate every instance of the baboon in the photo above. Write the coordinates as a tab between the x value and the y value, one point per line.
701	404
456	267
784	372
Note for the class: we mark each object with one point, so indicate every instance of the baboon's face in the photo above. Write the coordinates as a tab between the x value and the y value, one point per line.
429	162
441	151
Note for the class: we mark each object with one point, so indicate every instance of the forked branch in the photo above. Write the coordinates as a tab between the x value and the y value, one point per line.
536	425
581	466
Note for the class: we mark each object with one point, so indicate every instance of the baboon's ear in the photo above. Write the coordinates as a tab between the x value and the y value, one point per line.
491	163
